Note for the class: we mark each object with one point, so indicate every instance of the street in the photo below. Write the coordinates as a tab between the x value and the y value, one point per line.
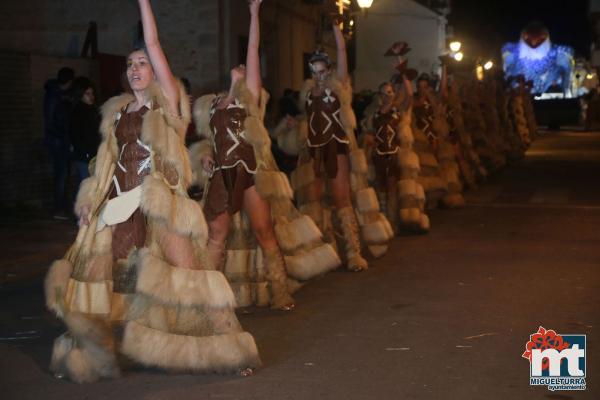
441	316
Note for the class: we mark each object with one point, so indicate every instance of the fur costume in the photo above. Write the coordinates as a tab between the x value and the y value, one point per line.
306	255
529	113
408	210
375	230
492	119
446	157
175	318
471	169
475	124
431	177
519	119
516	148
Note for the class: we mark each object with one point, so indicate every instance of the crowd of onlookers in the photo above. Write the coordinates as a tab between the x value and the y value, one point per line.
71	134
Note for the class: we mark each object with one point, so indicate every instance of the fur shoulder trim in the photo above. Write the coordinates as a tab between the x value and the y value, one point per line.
202	114
178	122
244	96
109	111
307	86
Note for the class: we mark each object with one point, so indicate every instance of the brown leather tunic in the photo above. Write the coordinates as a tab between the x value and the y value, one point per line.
227	126
387	145
326	135
424	118
386	124
324	119
235	162
134	163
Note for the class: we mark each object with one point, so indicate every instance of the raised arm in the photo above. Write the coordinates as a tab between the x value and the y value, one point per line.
408	102
342	57
253	79
444	83
163	73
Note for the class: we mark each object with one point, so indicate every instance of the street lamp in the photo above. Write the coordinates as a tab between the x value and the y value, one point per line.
455	46
459	56
365	3
488	65
479	72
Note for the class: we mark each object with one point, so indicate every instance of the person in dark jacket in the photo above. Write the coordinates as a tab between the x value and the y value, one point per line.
84	127
57	111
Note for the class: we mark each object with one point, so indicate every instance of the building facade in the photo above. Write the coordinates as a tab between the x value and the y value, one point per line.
388	21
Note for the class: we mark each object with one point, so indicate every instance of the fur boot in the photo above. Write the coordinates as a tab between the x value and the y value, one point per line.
275	265
349	227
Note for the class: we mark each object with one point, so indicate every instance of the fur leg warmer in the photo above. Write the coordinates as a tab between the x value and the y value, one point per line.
275	265
349	227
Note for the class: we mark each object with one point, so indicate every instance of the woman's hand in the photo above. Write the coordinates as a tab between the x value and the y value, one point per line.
84	218
208	163
254	6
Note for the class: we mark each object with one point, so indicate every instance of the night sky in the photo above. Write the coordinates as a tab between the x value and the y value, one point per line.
502	20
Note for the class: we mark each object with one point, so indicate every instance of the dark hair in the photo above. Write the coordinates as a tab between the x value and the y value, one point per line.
186	85
80	85
424	77
384	84
64	75
139	47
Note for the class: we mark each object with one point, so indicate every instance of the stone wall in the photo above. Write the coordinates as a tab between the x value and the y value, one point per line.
188	31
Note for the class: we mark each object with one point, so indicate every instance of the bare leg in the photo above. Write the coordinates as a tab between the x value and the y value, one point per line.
218	229
177	249
340	185
259	213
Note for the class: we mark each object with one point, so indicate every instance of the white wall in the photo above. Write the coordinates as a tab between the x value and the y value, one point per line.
389	21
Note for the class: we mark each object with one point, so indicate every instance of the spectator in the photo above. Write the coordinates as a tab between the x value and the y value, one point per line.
57	110
84	128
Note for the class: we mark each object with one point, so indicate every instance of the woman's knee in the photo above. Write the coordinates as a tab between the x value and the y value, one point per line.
218	229
265	235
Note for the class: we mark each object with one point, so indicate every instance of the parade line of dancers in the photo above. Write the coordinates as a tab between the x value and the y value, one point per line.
154	277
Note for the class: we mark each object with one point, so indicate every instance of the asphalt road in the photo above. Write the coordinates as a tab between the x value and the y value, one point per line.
441	316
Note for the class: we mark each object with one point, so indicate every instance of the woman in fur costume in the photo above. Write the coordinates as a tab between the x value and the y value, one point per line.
474	112
471	169
236	153
516	149
137	262
387	124
445	150
329	154
426	108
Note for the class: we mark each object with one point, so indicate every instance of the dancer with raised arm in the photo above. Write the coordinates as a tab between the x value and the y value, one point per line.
138	262
235	158
329	154
387	124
